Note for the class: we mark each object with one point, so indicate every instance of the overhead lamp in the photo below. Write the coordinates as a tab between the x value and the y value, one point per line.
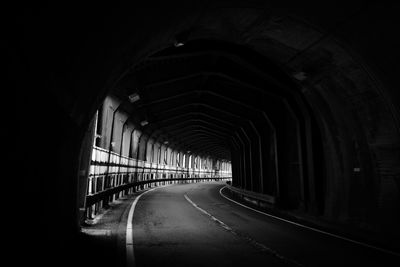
134	97
181	38
144	123
178	44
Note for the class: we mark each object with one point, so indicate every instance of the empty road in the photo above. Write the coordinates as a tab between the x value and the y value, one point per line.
193	225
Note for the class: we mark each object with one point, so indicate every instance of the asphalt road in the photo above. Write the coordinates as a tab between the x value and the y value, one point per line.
193	225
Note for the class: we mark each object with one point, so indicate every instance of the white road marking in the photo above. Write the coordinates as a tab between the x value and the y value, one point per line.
130	253
256	244
221	223
311	228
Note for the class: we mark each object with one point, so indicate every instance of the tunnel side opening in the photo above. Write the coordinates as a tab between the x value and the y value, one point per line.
124	158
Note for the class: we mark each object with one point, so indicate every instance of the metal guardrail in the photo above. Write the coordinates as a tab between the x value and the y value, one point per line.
97	197
111	174
258	199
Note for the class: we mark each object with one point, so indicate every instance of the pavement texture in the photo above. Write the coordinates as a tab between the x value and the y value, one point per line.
193	225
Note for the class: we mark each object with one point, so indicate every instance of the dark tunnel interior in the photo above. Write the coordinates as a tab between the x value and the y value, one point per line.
239	102
294	106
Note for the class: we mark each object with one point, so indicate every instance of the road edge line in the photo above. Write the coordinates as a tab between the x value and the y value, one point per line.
253	242
130	253
311	228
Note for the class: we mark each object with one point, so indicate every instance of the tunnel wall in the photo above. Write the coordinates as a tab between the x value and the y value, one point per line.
345	86
111	167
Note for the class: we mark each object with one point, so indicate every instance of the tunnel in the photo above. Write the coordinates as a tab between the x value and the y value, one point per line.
284	115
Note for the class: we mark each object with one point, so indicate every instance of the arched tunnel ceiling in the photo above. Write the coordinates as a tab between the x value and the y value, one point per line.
207	96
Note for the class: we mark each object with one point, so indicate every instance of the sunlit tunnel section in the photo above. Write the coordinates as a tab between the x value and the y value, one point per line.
124	160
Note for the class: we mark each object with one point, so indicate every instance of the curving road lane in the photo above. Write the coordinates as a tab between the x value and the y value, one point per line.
193	225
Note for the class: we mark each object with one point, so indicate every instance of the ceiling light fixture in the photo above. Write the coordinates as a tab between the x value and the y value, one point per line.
134	97
178	44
